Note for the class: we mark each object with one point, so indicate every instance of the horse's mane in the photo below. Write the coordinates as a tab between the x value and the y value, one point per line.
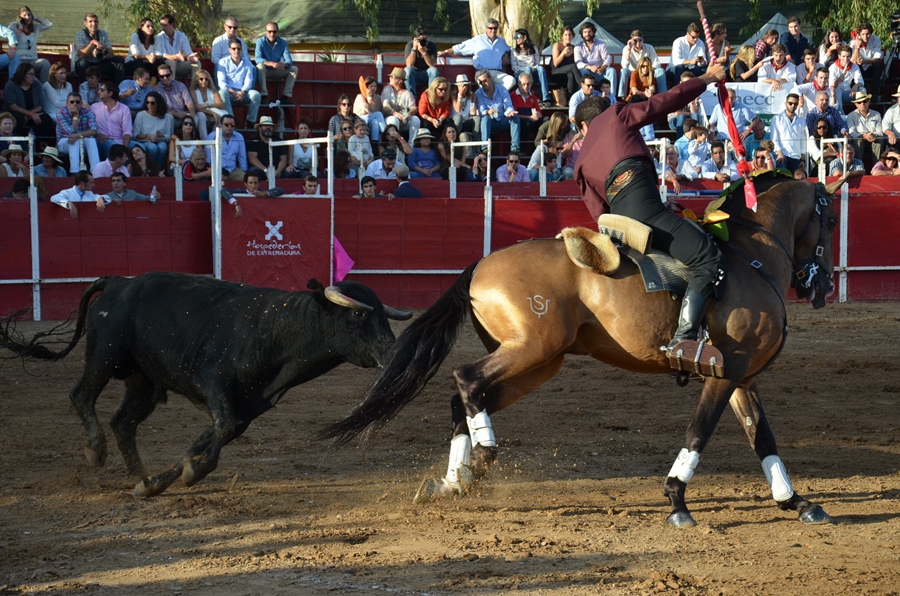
735	204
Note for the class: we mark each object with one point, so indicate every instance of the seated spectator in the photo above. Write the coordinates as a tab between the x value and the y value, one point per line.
808	91
424	161
221	43
434	106
310	185
866	55
134	91
555	127
592	57
682	142
118	157
251	186
688	53
762	159
300	162
56	90
19	190
141	165
342	169
564	71
763	47
634	51
570	152
845	78
721	48
744	119
552	171
715	167
90	87
9	60
758	136
744	67
368	108
176	48
344	111
15	166
691	111
399	105
144	50
463	110
82	192
197	168
383	168
93	48
76	131
392	139
496	109
27	29
698	148
343	143
479	172
676	171
51	164
208	104
360	147
819	151
642	81
234	151
180	153
274	63
489	52
526	59
405	189
778	72
24	99
856	165
830	113
258	150
887	165
121	192
455	157
528	107
830	47
367	188
865	128
421	62
794	41
800	174
588	89
789	135
113	119
7	129
178	99
552	147
513	170
154	126
235	77
806	70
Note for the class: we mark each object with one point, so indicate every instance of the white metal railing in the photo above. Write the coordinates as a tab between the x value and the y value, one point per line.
314	159
663	144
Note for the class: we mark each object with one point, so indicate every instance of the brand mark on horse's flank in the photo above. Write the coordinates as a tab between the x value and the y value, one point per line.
539	305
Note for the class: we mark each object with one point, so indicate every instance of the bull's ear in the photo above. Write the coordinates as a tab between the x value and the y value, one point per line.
314	285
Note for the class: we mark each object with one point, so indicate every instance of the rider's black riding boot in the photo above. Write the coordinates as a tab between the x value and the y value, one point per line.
693	305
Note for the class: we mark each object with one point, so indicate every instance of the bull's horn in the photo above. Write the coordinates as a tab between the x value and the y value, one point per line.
835	186
334	295
397	315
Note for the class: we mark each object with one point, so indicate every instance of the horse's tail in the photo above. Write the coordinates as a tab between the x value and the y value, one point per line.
35	349
415	357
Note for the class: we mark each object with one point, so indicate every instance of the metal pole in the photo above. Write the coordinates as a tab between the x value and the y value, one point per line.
543	170
216	198
842	257
35	236
488	207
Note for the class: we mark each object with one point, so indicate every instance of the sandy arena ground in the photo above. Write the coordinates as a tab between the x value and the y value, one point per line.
574	505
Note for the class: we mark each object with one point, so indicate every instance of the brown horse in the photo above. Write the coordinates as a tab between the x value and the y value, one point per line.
531	306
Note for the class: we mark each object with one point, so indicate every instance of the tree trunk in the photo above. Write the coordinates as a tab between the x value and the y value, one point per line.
512	15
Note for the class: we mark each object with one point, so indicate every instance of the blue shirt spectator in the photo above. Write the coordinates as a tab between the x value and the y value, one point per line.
141	87
234	150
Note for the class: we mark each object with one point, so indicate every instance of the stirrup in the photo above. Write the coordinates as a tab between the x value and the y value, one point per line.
698	357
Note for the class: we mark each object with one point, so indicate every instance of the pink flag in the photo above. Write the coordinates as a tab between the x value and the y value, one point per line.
342	261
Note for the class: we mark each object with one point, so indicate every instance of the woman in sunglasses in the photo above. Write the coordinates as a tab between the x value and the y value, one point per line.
27	29
153	127
344	111
207	101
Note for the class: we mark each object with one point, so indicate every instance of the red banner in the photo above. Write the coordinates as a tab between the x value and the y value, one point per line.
278	242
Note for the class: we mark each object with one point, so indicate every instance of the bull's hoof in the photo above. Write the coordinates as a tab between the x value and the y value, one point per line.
432	490
191	475
681	519
815	515
148	488
95	456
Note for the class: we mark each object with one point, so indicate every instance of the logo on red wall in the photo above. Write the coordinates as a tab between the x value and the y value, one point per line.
274	243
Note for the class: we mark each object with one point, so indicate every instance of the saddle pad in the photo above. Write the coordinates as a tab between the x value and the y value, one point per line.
624	230
660	272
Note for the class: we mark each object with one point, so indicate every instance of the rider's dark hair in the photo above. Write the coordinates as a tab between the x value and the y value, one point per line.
589	109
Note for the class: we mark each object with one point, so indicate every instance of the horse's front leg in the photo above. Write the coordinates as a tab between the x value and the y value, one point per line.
712	403
748	408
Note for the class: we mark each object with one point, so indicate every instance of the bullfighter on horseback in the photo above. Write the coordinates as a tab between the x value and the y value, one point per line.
616	174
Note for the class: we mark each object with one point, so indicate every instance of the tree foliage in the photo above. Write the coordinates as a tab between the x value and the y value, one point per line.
820	15
200	20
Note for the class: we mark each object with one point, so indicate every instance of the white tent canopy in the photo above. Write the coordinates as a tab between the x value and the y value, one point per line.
778	22
613	45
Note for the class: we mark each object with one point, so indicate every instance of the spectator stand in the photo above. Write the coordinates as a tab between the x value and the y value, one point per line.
33	221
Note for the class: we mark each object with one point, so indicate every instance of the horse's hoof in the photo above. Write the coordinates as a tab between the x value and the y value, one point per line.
465	478
815	515
430	490
95	457
146	489
681	519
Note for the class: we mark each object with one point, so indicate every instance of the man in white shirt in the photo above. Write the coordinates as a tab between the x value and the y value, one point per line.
176	48
591	56
688	53
891	123
489	52
632	53
715	167
845	78
778	72
808	91
789	135
867	55
383	169
219	48
118	157
865	129
80	193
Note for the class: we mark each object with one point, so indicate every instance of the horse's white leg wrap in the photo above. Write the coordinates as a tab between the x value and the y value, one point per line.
481	430
777	478
684	466
460	455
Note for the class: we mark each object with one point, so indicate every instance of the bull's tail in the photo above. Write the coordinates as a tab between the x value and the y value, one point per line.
415	357
35	348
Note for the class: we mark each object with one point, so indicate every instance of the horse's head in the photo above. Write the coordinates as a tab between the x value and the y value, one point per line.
813	276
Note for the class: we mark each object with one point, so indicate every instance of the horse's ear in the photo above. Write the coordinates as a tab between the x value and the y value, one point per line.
834	186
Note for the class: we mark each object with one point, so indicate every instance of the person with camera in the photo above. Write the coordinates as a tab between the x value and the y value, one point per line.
421	60
479	171
688	53
27	29
93	48
632	53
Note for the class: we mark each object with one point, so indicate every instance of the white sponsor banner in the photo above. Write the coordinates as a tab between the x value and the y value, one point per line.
757	97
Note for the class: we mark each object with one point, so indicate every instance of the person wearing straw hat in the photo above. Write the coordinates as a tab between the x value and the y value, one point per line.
258	149
51	165
424	161
15	162
399	104
865	128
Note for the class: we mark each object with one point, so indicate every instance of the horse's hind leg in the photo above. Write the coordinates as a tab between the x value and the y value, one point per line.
469	463
748	408
141	398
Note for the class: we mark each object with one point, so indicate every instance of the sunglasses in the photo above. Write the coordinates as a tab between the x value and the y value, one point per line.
513	162
345	104
230	27
228	124
520	37
74	102
237	49
346	128
491	28
482	82
441	88
187	123
591	85
165	76
151	103
821	128
792	103
637	39
271	31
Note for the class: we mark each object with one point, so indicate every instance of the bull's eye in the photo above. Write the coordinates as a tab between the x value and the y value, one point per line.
359	314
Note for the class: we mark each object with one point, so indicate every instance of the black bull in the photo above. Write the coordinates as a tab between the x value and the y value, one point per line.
233	350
